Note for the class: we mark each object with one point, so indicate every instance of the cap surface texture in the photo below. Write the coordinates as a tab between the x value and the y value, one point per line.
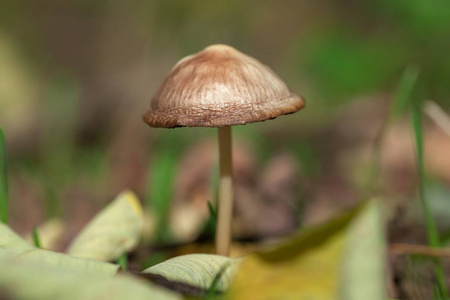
217	87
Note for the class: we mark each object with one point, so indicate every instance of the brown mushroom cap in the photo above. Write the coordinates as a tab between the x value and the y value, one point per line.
218	87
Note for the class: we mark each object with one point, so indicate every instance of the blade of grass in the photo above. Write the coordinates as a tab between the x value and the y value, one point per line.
400	101
122	261
211	293
432	232
36	239
4	205
168	149
403	93
212	212
209	227
58	145
160	191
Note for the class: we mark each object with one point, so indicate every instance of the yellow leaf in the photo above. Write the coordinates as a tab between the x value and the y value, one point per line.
314	264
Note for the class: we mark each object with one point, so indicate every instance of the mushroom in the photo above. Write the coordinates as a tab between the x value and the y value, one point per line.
221	87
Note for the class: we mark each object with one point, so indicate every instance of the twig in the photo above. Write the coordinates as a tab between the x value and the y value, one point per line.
408	249
437	115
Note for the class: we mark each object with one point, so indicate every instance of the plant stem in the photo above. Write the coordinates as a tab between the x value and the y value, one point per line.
4	206
432	231
226	197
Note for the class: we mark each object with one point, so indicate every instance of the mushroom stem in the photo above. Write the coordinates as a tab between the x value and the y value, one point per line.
226	197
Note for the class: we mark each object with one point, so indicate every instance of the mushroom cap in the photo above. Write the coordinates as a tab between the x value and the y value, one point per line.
218	87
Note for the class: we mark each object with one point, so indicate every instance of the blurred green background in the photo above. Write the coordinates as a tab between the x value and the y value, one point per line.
76	77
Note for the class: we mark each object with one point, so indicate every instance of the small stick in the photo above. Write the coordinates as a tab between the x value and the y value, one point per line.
226	193
407	249
438	115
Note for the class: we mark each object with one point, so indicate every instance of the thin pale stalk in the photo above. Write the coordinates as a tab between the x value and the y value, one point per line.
226	193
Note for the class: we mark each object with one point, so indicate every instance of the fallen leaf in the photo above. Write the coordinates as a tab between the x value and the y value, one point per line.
9	239
363	266
115	230
198	270
20	280
324	262
14	248
50	234
58	260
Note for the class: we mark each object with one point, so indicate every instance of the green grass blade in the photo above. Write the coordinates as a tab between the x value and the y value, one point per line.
212	211
209	227
57	149
4	205
433	237
403	94
36	239
212	292
160	190
399	104
432	232
122	262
